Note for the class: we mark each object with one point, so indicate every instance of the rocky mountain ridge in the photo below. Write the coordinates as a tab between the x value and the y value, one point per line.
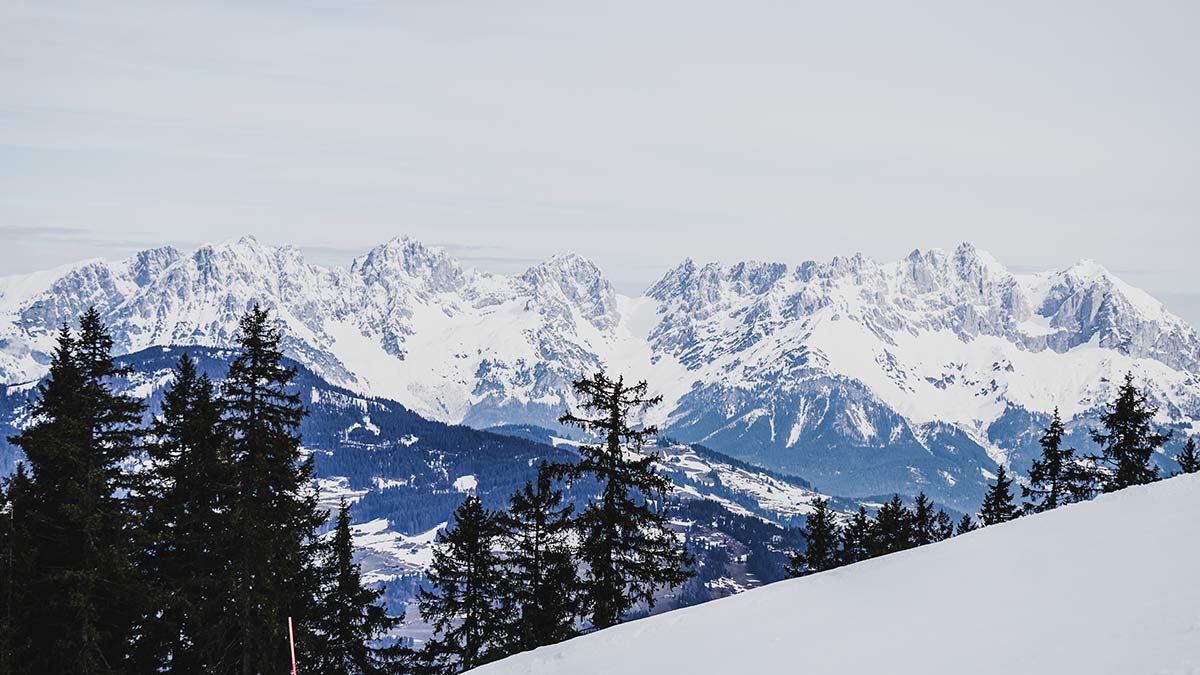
864	377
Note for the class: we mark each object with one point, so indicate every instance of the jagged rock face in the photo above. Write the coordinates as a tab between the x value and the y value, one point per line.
405	320
866	377
568	285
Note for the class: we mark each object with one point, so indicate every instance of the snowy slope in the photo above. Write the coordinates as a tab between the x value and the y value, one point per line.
1053	593
699	473
863	377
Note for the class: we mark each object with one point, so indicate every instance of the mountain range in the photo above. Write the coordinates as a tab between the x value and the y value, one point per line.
863	377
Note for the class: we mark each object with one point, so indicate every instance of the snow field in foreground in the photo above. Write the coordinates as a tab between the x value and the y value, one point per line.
1108	586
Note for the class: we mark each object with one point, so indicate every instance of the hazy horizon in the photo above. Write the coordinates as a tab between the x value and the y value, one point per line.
637	134
1185	305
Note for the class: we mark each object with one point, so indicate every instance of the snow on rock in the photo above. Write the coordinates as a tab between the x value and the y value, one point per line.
776	497
799	367
929	335
366	425
387	554
1051	593
332	490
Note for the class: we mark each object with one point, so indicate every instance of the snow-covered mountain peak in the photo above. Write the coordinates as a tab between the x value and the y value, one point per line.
1086	269
402	258
570	281
754	277
967	274
671	282
848	266
1086	303
145	266
968	254
569	269
914	368
244	258
689	284
1087	273
571	261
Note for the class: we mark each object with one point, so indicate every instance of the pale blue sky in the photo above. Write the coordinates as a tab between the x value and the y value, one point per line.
637	133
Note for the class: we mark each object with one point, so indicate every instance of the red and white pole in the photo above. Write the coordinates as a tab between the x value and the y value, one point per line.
292	644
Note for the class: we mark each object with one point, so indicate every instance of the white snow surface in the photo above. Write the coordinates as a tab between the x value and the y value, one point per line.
388	553
1054	593
773	495
940	336
332	490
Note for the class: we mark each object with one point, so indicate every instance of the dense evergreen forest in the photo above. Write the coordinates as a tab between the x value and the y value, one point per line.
181	533
178	531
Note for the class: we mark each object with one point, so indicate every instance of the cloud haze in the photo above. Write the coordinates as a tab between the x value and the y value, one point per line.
635	133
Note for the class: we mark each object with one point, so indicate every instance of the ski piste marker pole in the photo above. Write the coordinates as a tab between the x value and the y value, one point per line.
292	644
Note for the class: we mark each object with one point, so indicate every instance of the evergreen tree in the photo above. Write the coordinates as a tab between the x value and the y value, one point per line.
468	580
13	538
541	566
923	523
856	538
274	514
624	538
998	505
1055	479
1189	461
350	617
81	598
1128	439
965	525
893	530
821	551
187	528
943	526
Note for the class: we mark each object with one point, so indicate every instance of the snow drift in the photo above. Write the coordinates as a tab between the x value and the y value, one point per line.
1109	586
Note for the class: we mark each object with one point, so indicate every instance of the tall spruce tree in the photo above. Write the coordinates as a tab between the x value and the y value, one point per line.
822	536
540	565
187	527
465	605
629	550
274	513
13	537
893	529
1189	461
998	505
856	538
1055	478
923	521
80	598
1128	439
349	617
943	526
965	525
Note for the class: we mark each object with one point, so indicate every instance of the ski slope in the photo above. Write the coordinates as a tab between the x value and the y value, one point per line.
1110	586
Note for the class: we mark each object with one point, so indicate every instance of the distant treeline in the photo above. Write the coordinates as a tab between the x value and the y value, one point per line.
1127	438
